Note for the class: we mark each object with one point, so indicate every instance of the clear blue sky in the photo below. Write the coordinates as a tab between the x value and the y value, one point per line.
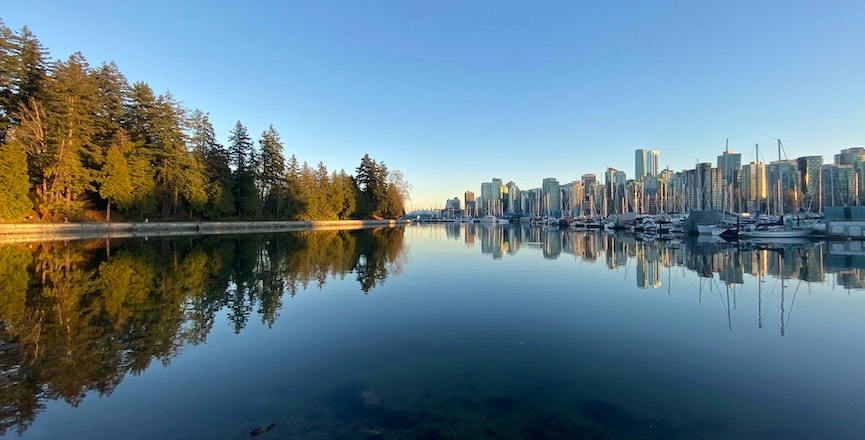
454	93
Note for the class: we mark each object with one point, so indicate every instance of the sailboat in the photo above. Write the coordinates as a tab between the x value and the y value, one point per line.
773	231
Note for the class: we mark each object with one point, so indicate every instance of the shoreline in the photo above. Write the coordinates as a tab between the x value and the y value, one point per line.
31	232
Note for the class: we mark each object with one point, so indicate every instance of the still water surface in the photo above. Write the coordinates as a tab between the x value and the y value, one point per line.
431	332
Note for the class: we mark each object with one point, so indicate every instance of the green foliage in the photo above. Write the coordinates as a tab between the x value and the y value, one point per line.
14	201
116	178
93	141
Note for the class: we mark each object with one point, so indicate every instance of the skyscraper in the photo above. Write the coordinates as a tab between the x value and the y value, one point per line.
855	157
783	183
754	185
551	200
652	159
730	164
471	206
512	204
839	184
640	163
810	181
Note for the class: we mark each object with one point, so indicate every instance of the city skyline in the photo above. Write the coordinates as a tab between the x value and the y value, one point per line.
448	92
775	186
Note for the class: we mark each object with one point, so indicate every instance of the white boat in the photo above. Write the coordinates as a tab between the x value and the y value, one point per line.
489	219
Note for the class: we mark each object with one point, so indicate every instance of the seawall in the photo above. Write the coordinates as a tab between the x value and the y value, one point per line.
29	232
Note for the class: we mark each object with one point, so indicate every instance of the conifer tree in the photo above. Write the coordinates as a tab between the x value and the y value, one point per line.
14	200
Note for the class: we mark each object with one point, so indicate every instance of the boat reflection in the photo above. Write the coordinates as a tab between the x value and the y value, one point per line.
707	256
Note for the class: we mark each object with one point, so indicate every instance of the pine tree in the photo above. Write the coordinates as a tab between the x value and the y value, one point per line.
271	170
14	200
241	155
116	177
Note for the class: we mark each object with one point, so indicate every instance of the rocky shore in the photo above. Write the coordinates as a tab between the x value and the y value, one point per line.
24	232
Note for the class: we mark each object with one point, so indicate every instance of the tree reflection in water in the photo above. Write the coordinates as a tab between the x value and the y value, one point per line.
76	318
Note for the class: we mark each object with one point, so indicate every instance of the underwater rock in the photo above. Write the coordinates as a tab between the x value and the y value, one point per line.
354	400
370	398
261	430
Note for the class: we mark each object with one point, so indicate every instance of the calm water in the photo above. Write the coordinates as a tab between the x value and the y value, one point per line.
431	332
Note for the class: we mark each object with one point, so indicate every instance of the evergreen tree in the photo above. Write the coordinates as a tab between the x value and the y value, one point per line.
116	177
72	110
271	171
14	200
293	204
138	122
217	174
241	156
344	193
23	72
111	92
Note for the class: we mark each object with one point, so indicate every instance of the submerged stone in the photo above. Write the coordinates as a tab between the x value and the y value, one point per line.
261	430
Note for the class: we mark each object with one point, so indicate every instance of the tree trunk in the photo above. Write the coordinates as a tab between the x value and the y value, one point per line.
108	212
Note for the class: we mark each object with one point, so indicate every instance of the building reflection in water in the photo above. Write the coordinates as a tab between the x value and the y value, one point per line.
808	261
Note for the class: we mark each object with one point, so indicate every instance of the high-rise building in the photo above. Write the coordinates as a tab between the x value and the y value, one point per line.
571	198
810	181
615	181
471	205
753	189
730	164
551	200
512	199
704	187
640	167
783	184
855	157
591	204
491	197
840	186
452	208
652	162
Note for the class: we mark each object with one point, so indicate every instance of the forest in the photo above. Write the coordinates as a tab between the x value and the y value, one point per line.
79	143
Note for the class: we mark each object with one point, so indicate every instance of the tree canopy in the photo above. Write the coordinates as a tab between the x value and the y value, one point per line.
77	141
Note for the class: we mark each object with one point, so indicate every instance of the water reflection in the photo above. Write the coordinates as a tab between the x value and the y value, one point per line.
76	318
805	260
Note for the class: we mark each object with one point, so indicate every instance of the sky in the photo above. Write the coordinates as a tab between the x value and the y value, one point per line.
455	93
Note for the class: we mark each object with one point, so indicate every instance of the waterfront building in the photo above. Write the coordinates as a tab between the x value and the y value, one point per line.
840	186
471	205
640	167
590	197
616	195
753	186
783	183
704	186
730	164
512	199
491	197
571	198
810	182
551	200
855	157
530	200
452	208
